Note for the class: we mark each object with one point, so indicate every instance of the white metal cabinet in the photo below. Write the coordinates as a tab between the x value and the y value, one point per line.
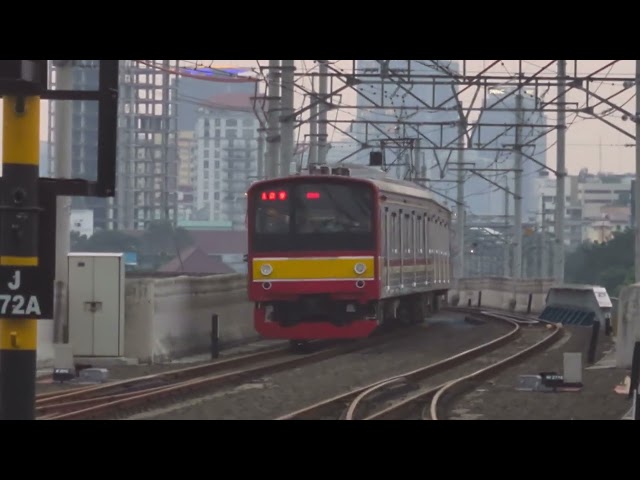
96	304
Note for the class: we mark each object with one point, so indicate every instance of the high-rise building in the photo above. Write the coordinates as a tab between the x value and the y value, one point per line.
146	178
413	150
499	136
44	159
226	158
195	88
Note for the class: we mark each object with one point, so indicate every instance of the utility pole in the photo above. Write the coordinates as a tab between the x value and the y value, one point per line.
460	200
507	241
27	247
62	144
636	196
273	124
286	146
313	130
19	255
558	260
323	91
261	169
544	262
517	228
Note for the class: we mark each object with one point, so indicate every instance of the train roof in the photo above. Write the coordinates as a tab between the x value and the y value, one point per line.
376	176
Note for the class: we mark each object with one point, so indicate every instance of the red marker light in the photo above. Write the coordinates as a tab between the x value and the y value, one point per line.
313	195
281	195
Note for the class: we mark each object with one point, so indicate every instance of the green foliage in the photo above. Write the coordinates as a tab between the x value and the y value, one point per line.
610	264
108	241
160	242
162	238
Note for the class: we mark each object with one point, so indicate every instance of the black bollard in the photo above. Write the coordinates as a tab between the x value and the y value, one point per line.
635	380
480	298
215	336
529	304
591	358
635	370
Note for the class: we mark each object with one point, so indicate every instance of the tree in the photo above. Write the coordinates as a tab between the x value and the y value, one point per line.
78	242
161	242
609	264
112	241
162	238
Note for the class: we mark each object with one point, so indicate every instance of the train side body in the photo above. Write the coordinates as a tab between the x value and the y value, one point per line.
414	255
348	251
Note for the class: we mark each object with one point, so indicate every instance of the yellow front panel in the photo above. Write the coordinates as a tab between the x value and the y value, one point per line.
341	268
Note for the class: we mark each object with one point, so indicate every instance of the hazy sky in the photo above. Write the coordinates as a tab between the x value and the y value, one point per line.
583	135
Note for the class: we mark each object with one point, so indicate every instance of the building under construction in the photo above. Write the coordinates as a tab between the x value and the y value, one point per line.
147	166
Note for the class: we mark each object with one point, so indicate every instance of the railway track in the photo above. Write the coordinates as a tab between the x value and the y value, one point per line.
405	396
120	397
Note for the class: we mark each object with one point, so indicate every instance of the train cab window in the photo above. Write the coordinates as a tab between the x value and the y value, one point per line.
331	208
313	216
272	220
273	211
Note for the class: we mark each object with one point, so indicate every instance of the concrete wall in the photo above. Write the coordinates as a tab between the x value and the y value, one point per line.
171	317
628	325
498	292
44	354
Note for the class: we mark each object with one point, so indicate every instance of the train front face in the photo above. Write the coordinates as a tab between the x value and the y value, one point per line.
313	272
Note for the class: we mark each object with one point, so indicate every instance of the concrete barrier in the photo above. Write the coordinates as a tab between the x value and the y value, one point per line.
44	353
628	324
502	293
171	317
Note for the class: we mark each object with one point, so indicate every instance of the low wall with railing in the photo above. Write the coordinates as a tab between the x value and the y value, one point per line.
171	317
502	293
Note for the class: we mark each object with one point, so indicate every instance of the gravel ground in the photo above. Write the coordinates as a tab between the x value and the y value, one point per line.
121	372
497	399
275	395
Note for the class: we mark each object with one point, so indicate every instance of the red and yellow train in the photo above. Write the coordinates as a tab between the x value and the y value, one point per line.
336	253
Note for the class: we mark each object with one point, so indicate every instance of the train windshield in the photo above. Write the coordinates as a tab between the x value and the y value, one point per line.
314	216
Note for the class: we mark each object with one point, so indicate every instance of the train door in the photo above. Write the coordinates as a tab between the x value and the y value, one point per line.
436	250
428	246
386	234
402	246
414	249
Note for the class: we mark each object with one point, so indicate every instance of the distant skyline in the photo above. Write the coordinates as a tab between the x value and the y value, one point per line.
583	136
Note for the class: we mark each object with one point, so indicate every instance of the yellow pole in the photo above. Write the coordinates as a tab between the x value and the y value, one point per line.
19	256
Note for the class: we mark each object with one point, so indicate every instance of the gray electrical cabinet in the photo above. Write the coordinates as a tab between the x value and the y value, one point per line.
96	304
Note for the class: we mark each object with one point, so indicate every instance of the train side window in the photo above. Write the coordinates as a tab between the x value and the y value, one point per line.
398	233
420	231
414	233
384	221
407	233
429	235
395	234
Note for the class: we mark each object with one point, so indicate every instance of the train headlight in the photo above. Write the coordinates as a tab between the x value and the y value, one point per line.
360	268
266	269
